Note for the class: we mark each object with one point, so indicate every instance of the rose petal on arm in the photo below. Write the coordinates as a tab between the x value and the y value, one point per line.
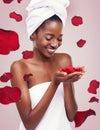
77	20
81	43
81	116
15	16
93	86
9	41
94	99
6	77
27	54
26	76
7	1
9	95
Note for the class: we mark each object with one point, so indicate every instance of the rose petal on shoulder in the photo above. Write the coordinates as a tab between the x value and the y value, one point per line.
26	76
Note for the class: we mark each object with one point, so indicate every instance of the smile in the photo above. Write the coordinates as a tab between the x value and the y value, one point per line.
51	50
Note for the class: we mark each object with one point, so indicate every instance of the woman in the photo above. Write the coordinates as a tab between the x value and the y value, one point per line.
47	97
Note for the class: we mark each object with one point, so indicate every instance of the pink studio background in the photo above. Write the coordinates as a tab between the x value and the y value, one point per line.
88	55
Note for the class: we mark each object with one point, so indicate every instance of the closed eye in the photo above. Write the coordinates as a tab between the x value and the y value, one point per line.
49	37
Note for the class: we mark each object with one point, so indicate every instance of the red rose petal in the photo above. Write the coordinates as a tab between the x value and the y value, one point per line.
9	95
7	1
71	69
15	16
27	54
6	76
77	20
19	1
9	41
81	116
94	99
26	76
94	84
81	43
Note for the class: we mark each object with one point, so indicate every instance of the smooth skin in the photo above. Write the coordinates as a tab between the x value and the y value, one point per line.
44	66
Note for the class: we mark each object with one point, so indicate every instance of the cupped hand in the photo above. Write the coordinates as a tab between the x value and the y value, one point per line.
64	77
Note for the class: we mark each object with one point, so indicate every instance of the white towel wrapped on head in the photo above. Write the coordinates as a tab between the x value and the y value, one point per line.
40	10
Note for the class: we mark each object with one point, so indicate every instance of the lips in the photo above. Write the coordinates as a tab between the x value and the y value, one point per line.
50	50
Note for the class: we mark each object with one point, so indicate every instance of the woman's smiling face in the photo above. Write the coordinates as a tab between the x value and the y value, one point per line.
48	38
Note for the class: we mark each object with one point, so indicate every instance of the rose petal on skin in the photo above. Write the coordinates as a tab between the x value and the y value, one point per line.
81	116
71	69
19	1
94	99
6	77
26	76
77	20
9	41
9	95
15	16
27	54
81	43
93	86
7	1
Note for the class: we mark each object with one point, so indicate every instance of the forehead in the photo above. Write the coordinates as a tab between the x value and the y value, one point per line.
52	26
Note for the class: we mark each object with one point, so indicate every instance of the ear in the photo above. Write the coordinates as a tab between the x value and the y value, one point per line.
33	36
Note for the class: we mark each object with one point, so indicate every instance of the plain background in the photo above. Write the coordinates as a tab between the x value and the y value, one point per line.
88	56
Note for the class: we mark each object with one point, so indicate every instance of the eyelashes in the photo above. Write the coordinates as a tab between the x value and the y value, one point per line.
49	38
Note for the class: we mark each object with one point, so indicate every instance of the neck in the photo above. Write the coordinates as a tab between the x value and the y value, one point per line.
38	56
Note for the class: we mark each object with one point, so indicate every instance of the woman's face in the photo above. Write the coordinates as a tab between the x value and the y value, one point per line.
48	38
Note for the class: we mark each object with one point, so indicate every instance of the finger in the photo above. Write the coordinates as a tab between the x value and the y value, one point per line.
59	73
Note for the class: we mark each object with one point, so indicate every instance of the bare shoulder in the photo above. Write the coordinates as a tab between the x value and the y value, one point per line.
17	66
64	59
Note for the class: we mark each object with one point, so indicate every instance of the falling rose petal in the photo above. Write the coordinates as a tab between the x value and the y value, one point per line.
77	20
6	76
26	76
81	116
27	54
81	43
7	1
94	84
15	16
9	95
71	69
19	1
9	41
94	99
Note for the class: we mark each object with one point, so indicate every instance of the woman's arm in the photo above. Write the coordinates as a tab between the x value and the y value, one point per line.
69	93
30	117
70	103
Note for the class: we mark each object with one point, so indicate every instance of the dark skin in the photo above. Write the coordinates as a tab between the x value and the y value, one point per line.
47	40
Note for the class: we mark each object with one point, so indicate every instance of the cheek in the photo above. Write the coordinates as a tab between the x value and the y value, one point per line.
40	42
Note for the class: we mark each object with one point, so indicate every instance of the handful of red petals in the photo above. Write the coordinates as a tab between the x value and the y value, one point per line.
71	69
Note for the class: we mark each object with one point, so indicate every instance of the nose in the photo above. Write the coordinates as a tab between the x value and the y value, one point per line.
55	43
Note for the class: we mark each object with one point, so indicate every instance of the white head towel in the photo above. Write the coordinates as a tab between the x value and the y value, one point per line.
40	10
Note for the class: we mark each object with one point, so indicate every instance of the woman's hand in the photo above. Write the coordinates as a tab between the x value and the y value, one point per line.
61	76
